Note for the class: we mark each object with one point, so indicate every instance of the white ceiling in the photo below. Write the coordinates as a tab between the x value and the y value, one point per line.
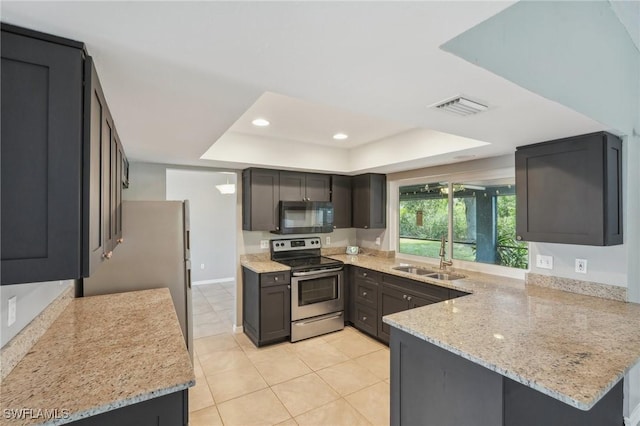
183	76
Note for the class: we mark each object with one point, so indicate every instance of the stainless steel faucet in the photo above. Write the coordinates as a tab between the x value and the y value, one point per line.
443	263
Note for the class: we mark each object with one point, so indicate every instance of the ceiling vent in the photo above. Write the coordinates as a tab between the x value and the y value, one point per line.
461	106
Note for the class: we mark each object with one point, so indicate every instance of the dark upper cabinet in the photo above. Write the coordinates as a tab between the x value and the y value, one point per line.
296	186
260	196
341	200
369	201
570	191
53	160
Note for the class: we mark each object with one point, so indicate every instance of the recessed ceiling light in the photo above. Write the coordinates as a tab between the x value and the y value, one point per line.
340	136
260	122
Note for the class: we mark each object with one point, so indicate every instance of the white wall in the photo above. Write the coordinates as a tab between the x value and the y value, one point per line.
32	298
212	219
582	55
147	182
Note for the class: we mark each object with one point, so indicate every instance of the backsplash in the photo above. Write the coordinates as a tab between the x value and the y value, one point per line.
587	288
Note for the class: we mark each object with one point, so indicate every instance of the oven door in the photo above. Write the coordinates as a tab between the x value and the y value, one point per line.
316	293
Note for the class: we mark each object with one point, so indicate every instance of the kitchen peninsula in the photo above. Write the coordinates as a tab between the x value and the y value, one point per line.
112	359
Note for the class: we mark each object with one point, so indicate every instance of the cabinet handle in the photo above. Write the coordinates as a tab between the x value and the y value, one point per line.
365	227
364	293
107	255
519	238
404	296
120	240
275	278
277	228
289	287
364	318
364	274
334	226
409	298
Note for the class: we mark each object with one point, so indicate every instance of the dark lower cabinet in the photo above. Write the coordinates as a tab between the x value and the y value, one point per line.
266	306
169	410
61	186
434	387
570	190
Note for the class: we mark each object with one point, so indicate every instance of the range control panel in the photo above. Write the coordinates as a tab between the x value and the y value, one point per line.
295	244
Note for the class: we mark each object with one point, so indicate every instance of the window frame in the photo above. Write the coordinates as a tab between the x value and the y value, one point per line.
450	178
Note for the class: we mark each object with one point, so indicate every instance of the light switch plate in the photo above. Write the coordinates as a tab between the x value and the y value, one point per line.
544	262
581	266
327	240
12	310
377	241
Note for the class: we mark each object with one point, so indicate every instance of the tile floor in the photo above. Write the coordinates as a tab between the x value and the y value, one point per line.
340	378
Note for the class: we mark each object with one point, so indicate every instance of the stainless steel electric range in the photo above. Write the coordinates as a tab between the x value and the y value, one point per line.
317	289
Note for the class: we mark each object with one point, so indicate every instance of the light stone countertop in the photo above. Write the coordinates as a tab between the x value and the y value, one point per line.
261	264
101	353
572	347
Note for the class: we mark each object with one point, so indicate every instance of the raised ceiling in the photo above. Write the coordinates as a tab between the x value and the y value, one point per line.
183	77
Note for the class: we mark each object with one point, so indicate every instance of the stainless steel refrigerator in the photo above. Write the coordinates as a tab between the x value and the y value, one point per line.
154	253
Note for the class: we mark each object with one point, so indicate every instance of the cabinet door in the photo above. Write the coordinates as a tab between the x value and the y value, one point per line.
261	193
107	183
581	178
275	312
341	199
365	319
41	161
292	186
318	187
369	201
118	183
392	300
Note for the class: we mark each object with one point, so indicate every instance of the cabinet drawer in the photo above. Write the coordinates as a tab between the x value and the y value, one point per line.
367	274
366	319
275	278
419	288
366	293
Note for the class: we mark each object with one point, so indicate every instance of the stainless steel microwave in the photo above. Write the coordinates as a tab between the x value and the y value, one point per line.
305	217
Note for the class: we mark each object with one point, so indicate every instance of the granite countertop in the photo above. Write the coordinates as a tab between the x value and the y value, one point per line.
569	346
262	264
101	353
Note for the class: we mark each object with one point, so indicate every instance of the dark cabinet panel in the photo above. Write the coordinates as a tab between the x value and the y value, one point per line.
260	196
318	187
266	303
59	186
365	319
392	300
341	199
570	191
296	186
41	159
369	201
292	186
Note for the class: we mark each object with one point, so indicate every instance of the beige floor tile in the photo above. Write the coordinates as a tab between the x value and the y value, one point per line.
348	377
271	352
336	413
205	317
373	403
319	354
206	345
289	422
280	370
258	408
354	346
377	362
200	396
304	393
212	329
234	383
243	340
206	417
201	307
347	331
224	360
197	368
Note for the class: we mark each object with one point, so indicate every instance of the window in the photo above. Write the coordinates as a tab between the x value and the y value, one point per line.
483	221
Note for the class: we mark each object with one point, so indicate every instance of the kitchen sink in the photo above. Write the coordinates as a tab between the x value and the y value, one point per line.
413	270
445	276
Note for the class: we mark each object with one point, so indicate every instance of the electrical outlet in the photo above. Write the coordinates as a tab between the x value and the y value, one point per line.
377	241
12	311
264	244
202	266
581	266
327	240
544	262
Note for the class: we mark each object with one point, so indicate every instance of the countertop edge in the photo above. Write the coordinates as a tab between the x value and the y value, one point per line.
506	373
122	403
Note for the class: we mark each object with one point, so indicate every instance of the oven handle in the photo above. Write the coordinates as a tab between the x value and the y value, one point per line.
318	272
322	318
